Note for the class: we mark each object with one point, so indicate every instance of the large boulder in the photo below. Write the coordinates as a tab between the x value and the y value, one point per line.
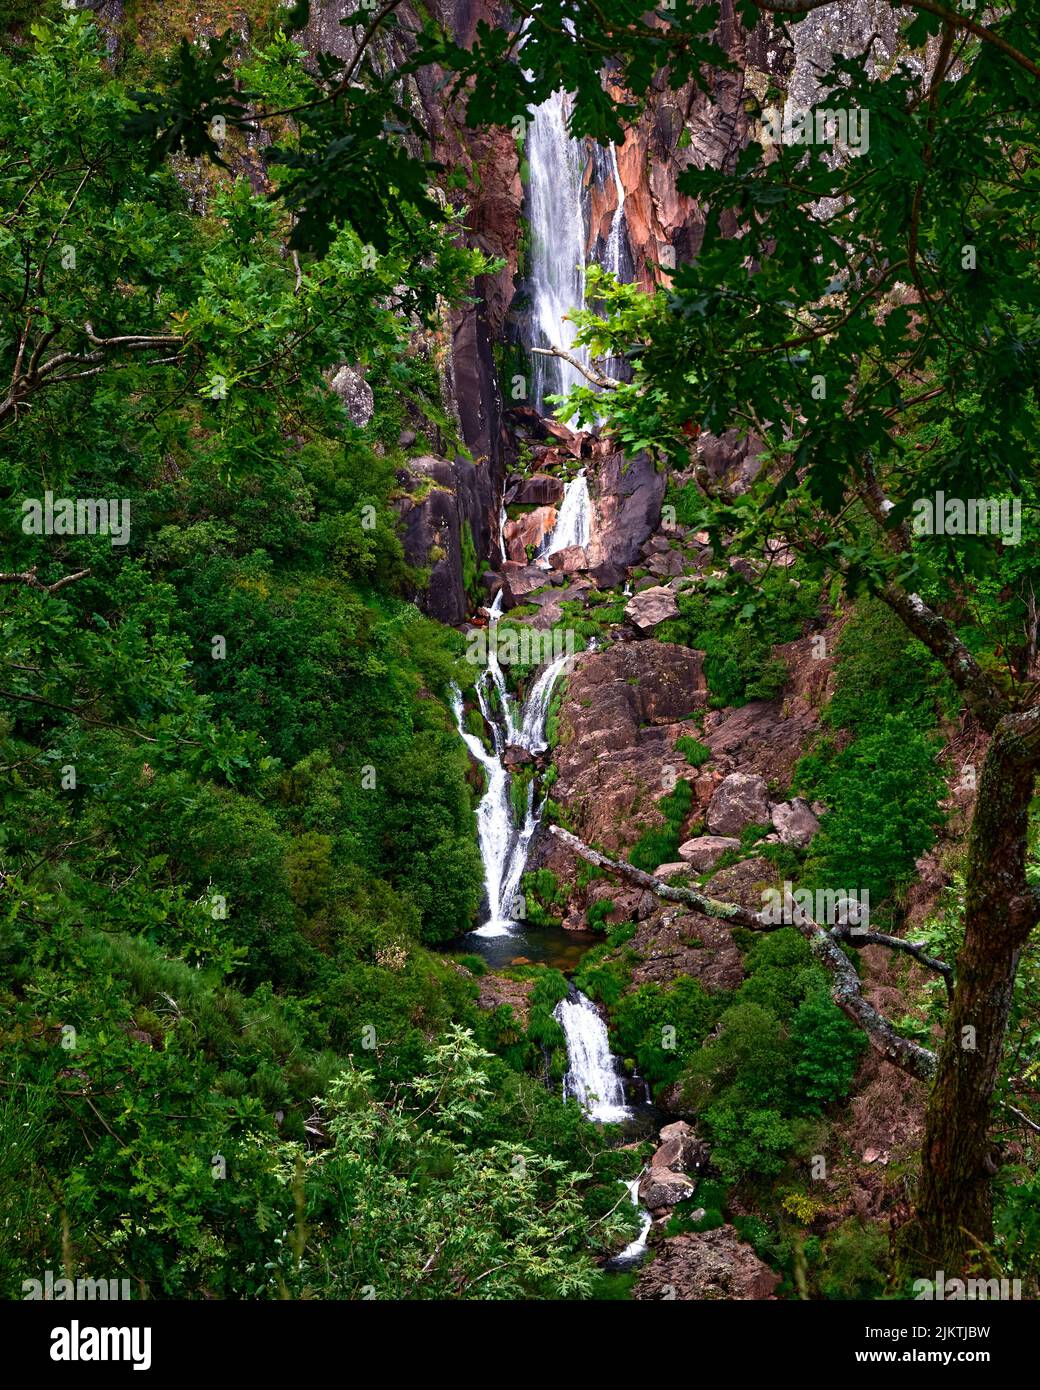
660	1188
649	609
795	822
740	799
704	852
523	578
766	737
446	507
680	1150
569	560
615	741
706	1265
670	942
530	529
666	871
539	490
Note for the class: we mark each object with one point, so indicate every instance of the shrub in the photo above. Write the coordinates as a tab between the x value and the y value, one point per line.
695	752
660	845
661	1030
827	1048
853	1261
885	790
748	1142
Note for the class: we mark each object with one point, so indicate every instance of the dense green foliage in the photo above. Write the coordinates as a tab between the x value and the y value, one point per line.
235	812
781	1053
884	788
737	622
235	808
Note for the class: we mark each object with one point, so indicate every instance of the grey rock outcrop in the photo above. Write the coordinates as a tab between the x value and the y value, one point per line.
740	799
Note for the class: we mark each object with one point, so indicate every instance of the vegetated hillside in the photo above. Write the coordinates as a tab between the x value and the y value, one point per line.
245	1053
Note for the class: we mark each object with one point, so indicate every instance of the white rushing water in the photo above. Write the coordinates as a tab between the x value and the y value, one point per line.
574	519
634	1251
503	844
556	217
614	258
592	1078
536	706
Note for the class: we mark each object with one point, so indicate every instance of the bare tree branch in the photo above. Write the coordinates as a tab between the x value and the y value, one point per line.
896	943
609	383
29	577
846	988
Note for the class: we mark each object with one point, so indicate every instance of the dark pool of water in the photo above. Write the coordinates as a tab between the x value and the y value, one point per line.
550	946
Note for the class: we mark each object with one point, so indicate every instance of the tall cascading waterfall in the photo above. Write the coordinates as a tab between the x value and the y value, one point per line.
504	844
574	519
559	241
616	250
592	1076
556	216
556	212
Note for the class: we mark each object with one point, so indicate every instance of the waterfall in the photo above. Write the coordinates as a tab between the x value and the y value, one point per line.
614	259
573	521
633	1252
556	214
536	707
558	242
503	844
592	1078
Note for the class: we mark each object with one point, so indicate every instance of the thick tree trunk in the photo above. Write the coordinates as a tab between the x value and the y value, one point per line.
953	1225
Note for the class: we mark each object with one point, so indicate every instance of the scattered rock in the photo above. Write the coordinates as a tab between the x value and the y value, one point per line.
743	883
795	822
355	393
740	799
570	559
706	1265
660	1188
515	757
704	852
522	578
680	1149
539	490
648	609
666	566
666	871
